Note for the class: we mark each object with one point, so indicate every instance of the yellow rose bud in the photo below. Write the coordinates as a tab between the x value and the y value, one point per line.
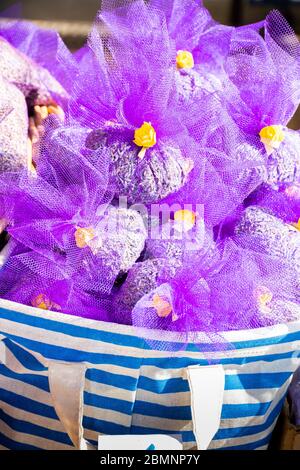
41	301
271	137
263	296
185	218
162	307
145	137
297	225
185	215
184	60
83	236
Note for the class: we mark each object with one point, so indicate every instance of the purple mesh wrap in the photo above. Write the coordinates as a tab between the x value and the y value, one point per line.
162	171
204	301
23	78
13	128
32	279
170	254
226	169
265	74
283	202
264	232
284	163
204	38
62	214
56	66
35	82
113	99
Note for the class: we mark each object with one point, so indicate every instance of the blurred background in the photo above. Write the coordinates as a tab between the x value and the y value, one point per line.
72	18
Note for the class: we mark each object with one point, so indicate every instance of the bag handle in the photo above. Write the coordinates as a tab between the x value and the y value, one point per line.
207	390
66	383
206	387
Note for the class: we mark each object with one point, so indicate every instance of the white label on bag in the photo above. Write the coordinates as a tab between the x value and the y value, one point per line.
138	442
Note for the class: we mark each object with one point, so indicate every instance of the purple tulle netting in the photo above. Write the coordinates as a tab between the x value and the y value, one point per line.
151	179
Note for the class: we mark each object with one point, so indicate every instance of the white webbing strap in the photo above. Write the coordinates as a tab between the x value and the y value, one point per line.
66	383
207	390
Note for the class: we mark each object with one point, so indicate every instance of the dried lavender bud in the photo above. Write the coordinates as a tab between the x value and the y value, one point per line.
284	163
170	250
13	129
190	83
181	247
20	78
141	279
31	79
251	166
161	172
265	232
166	259
120	239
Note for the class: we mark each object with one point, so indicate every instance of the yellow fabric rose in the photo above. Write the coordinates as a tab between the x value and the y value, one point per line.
264	297
184	60
83	236
162	307
185	218
43	302
145	137
271	137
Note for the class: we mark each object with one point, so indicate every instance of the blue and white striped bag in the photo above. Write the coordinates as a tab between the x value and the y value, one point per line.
66	380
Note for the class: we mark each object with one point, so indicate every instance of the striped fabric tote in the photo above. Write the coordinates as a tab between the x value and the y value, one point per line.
65	381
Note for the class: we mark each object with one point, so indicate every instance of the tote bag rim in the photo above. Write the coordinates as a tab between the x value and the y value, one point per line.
234	336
